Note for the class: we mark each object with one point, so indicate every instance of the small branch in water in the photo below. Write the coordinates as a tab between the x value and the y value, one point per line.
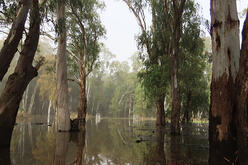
123	140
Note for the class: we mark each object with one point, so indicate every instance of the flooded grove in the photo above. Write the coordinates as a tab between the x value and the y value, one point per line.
108	142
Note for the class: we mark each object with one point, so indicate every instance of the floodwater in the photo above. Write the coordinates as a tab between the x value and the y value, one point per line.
109	142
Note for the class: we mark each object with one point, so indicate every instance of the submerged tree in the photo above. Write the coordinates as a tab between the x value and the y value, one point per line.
175	30
23	74
154	75
62	114
228	110
85	30
174	13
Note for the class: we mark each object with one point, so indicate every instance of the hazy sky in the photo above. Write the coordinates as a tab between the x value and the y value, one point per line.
122	27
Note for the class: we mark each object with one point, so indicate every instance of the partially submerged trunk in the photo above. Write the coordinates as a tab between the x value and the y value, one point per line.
18	81
175	39
83	96
160	115
242	98
15	35
226	53
49	112
186	115
63	114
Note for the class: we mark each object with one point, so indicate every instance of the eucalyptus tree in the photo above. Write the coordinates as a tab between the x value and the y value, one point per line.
152	43
15	35
193	64
228	110
172	22
174	12
62	114
85	31
24	71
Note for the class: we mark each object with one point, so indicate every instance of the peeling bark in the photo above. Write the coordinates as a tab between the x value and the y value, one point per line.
18	81
226	53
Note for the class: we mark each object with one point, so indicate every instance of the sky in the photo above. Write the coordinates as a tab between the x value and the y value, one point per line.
122	27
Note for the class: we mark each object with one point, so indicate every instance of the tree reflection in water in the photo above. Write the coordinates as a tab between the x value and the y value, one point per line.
80	145
156	156
109	142
5	156
62	140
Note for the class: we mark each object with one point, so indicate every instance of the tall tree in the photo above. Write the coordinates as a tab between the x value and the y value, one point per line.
62	114
153	76
84	47
228	110
175	23
18	81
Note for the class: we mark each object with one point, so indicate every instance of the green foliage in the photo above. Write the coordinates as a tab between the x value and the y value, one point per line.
8	10
154	46
85	31
193	67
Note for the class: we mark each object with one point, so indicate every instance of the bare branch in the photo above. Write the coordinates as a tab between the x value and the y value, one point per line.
141	24
47	35
74	57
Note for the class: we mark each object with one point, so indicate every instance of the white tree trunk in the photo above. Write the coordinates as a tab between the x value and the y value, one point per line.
25	100
225	38
49	113
63	115
32	100
226	56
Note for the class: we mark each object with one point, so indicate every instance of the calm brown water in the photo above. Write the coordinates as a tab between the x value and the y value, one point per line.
109	142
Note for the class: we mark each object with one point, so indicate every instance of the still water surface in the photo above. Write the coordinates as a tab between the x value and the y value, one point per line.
110	142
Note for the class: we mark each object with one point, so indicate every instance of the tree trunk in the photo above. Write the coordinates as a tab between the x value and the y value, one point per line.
18	81
160	116
32	99
83	96
176	35
186	112
15	35
175	113
226	53
63	114
49	112
242	98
